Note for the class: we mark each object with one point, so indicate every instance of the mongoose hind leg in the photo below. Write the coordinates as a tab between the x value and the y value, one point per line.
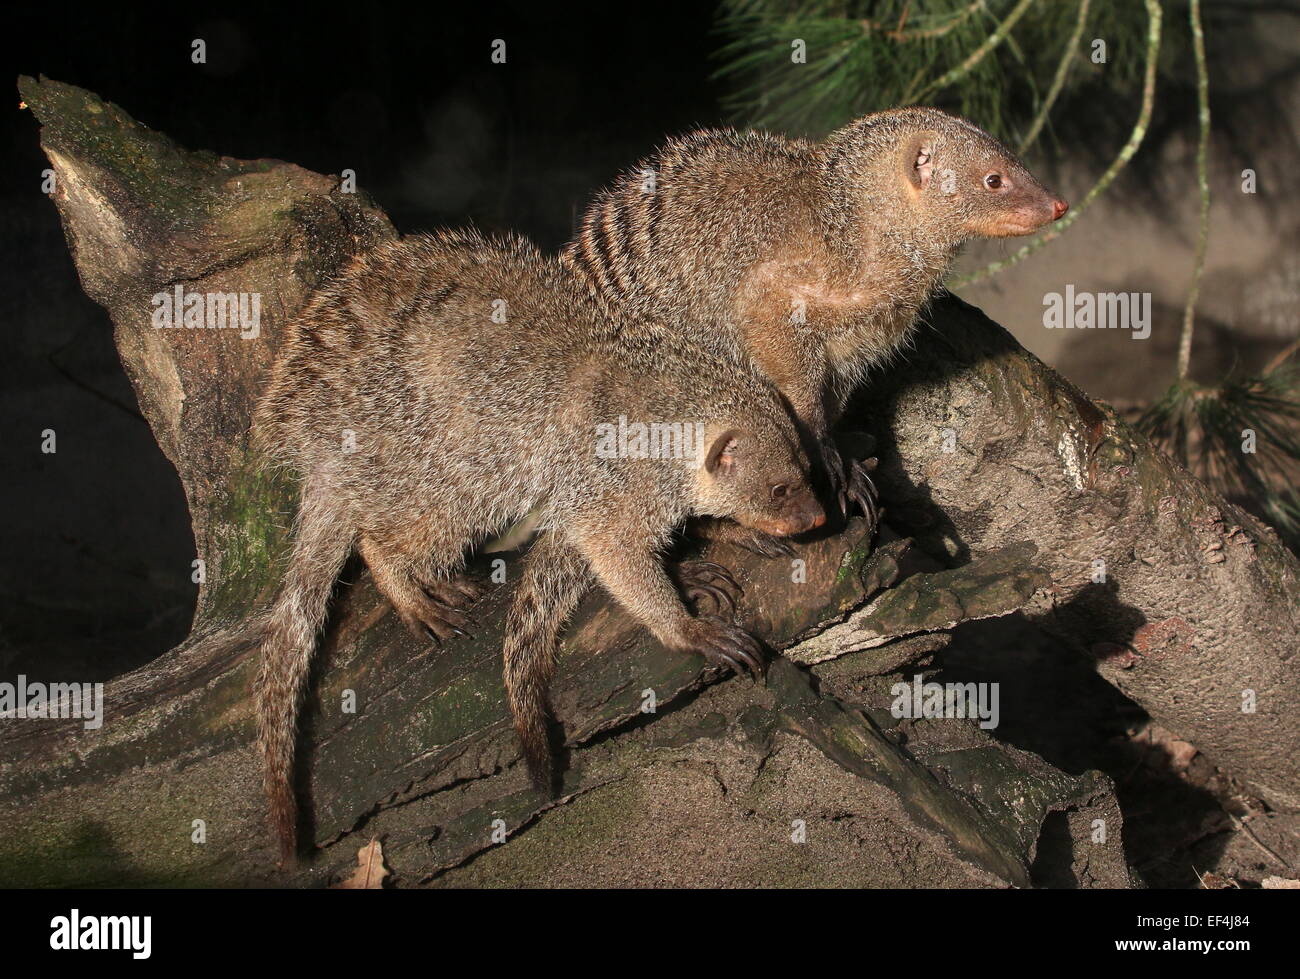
458	591
401	580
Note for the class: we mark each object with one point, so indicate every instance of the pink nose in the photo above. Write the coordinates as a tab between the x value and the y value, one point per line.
1058	210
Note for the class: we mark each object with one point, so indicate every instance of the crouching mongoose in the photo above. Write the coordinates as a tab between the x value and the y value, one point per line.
443	387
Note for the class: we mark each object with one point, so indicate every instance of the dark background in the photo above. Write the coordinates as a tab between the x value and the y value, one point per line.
95	577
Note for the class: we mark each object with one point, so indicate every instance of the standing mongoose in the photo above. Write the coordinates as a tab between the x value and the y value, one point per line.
443	387
809	260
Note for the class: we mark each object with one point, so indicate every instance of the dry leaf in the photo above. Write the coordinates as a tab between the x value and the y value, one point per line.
1211	881
370	872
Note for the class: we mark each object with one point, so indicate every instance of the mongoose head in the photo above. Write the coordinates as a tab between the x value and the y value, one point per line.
957	180
760	480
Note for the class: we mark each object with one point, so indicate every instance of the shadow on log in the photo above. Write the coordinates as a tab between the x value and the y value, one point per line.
671	776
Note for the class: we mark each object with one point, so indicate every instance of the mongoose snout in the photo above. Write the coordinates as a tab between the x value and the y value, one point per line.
1036	209
1023	220
809	515
798	511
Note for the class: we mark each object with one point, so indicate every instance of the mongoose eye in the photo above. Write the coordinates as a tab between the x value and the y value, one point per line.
993	181
780	491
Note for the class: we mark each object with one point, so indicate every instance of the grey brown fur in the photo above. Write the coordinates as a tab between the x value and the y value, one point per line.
731	237
460	425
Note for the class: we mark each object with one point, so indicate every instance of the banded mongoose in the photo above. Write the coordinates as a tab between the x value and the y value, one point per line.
809	260
443	387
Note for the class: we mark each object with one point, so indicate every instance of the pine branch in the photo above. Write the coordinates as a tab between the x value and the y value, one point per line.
1135	139
1058	82
1202	177
953	21
984	59
978	55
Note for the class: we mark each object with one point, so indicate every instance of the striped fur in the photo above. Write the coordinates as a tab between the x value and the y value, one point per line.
740	227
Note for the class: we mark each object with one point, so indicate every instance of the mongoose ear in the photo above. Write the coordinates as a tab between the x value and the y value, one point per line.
721	460
918	159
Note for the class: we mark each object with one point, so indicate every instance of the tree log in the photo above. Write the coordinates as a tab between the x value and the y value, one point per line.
1189	604
1043	483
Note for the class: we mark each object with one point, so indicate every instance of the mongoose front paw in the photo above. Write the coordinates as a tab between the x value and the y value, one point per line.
724	644
851	482
428	618
697	580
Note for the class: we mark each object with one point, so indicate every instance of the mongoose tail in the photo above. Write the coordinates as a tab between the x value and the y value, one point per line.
322	541
554	580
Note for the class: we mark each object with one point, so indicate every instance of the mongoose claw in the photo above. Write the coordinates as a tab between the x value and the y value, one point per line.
701	579
722	659
723	644
720	597
456	592
720	572
765	545
711	567
833	467
438	607
862	491
426	616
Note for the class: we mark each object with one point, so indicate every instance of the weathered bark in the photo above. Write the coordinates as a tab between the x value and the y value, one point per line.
1197	604
427	758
